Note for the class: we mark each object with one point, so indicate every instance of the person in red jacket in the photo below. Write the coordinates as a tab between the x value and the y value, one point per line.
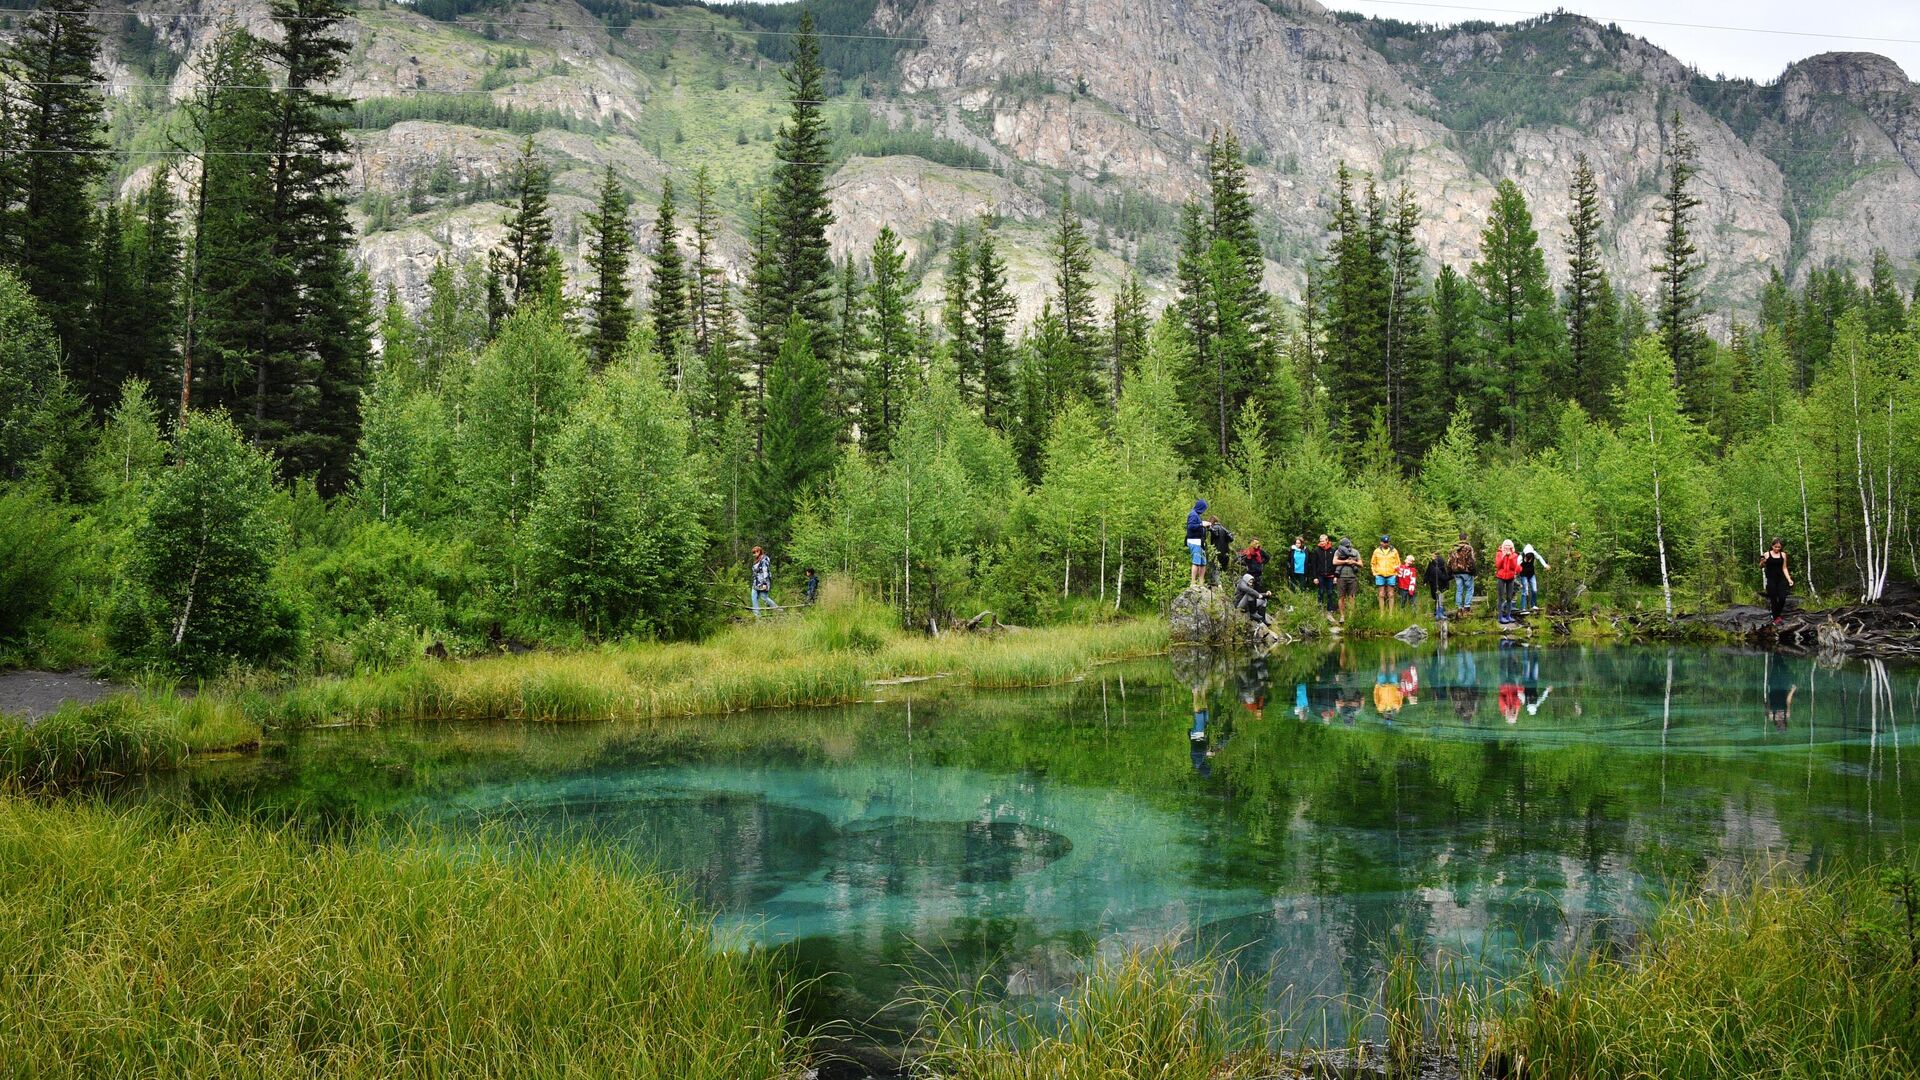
1506	568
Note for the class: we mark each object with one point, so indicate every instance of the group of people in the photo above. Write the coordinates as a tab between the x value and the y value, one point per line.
1335	570
761	594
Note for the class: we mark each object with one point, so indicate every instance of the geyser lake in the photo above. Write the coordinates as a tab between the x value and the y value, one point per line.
1307	814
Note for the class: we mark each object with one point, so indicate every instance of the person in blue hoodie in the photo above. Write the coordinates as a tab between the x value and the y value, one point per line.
1197	542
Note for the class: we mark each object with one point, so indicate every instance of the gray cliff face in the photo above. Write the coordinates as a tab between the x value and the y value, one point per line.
1116	99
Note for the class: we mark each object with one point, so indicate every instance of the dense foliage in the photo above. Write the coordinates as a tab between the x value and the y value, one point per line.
519	462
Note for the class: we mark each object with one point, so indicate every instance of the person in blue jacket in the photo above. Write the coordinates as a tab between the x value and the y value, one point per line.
1197	542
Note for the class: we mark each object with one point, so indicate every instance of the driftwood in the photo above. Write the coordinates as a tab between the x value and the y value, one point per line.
1874	630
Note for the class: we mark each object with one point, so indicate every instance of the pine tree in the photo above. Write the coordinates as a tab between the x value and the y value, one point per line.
1452	332
1678	314
157	265
529	247
1073	302
797	447
706	277
1358	289
992	310
963	343
1129	327
101	361
1519	327
669	284
1194	280
847	373
1591	382
890	343
1886	308
767	313
800	210
609	257
1411	420
47	221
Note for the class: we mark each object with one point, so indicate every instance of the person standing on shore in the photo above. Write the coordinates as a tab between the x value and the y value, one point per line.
1346	570
1320	572
1197	542
1438	571
1531	562
1506	567
1462	564
1299	564
1222	551
762	582
1255	560
1386	570
1779	578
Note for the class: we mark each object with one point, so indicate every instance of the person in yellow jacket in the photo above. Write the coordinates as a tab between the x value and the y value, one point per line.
1386	564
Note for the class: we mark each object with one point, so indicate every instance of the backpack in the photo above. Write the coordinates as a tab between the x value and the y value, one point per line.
1462	560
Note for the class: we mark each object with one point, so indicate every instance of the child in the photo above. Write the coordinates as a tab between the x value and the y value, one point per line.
1407	579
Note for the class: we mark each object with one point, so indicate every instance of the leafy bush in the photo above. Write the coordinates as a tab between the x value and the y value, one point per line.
38	539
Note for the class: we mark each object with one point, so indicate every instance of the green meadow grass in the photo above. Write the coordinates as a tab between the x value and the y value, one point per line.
135	732
138	946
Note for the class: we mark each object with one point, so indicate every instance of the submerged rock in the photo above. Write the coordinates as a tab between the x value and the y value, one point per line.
1412	635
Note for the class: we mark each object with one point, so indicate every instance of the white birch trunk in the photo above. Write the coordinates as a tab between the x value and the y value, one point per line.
1659	526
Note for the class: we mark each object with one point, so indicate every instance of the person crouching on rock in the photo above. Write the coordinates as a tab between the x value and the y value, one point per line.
1251	599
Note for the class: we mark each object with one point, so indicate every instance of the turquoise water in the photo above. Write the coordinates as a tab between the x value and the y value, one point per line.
1303	814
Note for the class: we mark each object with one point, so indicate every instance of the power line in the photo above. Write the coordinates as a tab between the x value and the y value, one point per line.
543	24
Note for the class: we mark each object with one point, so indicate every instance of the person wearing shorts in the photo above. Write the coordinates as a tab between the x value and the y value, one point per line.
1197	542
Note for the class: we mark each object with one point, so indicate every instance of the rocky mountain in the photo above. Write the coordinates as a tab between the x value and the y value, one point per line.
949	109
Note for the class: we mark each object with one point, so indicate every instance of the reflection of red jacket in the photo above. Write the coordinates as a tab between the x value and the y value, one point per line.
1506	566
1511	699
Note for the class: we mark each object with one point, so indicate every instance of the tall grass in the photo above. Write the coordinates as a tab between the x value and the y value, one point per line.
139	947
827	658
1787	978
124	734
1145	1014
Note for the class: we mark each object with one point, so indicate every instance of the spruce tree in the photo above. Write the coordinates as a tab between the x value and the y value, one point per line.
1128	337
1677	313
1073	302
1193	278
1590	382
767	312
157	258
797	448
993	308
706	278
890	343
609	257
1519	326
47	222
1886	308
669	285
1452	336
529	247
847	372
963	341
1357	298
1412	421
100	363
800	211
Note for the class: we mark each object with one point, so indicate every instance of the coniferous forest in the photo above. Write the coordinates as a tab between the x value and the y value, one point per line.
219	447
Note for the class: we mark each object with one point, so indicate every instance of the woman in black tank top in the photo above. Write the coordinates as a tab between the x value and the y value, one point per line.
1779	579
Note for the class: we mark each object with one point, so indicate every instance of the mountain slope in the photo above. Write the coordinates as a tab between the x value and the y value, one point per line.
947	109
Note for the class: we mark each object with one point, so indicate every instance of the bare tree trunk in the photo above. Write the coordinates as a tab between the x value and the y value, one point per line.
1120	575
1806	528
1659	526
906	603
1103	559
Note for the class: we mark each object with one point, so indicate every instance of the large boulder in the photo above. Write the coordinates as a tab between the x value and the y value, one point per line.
1202	616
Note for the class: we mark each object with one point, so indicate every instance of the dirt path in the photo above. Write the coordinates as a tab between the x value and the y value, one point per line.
34	694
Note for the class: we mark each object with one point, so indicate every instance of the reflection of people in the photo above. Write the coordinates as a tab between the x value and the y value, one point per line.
1253	686
1198	733
1512	695
1779	578
1387	696
1779	695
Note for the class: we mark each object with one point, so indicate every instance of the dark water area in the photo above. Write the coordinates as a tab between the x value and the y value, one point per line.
1307	814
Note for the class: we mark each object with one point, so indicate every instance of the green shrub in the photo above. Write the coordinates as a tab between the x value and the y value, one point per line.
38	540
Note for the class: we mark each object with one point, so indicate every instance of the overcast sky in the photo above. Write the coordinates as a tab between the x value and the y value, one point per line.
1709	42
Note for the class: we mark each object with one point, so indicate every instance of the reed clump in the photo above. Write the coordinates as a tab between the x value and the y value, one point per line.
141	946
135	732
1788	977
1144	1013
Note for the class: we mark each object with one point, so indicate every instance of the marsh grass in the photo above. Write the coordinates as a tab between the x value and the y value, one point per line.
1147	1013
141	946
828	658
1785	978
140	731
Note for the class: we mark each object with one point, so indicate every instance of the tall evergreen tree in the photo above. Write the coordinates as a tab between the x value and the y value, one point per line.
1073	302
706	278
767	313
963	343
1358	288
1886	308
800	210
847	373
1129	327
1678	311
528	255
609	257
1453	335
669	284
797	450
890	343
1519	326
157	249
1591	382
993	308
1412	423
47	221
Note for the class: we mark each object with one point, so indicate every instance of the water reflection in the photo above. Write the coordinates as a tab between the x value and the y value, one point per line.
1481	800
